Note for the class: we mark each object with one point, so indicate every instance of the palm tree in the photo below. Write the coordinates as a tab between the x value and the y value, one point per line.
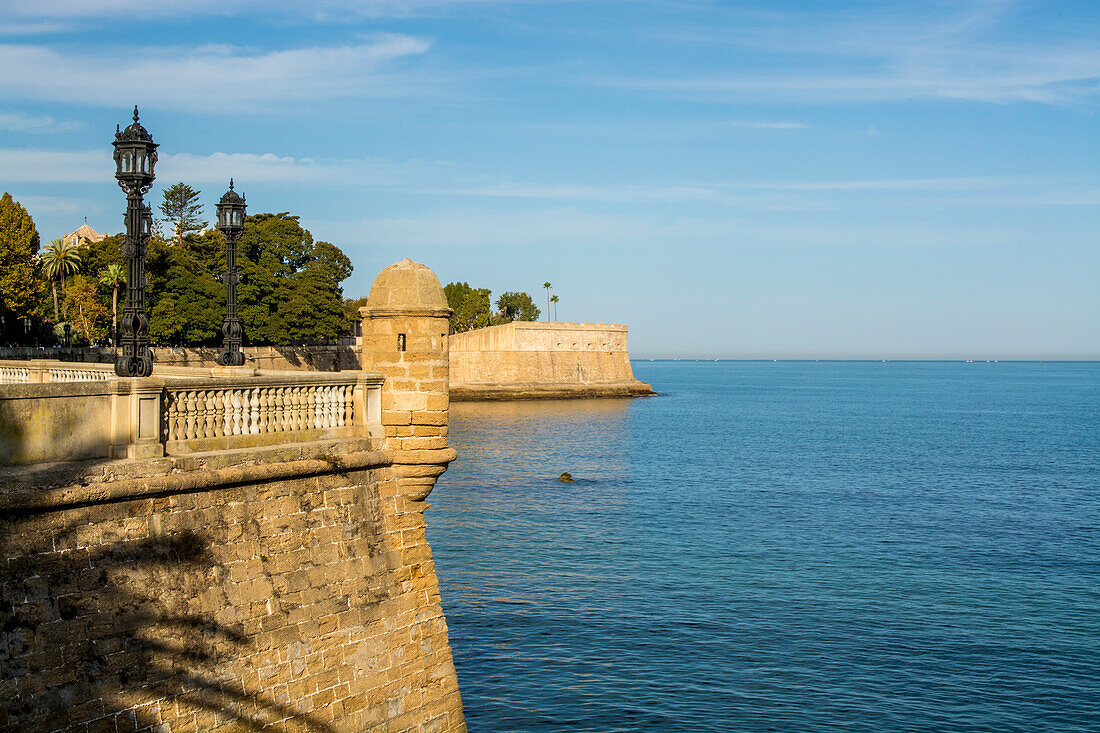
554	300
58	260
547	286
113	277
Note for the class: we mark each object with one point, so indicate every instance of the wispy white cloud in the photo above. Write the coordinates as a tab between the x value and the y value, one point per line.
186	78
440	178
766	125
60	205
325	10
56	167
890	53
1052	78
568	226
24	28
22	122
958	183
96	166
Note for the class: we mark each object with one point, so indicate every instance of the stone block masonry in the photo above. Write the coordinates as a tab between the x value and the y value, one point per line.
530	360
200	594
283	586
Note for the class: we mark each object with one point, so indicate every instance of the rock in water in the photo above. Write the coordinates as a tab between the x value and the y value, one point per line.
566	478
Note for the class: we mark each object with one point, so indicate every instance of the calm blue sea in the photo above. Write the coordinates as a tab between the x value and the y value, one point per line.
790	546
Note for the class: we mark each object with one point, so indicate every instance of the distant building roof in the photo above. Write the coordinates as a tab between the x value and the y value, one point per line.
82	236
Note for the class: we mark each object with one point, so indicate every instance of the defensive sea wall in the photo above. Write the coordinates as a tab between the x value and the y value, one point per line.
239	549
531	360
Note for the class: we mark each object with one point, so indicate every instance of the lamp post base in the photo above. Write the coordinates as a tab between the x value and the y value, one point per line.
134	366
230	358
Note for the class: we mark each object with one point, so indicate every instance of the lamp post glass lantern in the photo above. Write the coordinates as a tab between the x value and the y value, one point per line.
231	210
135	161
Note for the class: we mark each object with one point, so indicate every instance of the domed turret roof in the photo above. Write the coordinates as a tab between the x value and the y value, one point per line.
407	286
135	131
231	196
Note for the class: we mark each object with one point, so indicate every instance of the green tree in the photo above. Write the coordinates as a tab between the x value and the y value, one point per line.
185	300
290	285
314	308
517	307
59	260
182	210
352	306
20	287
91	317
554	300
113	277
547	285
472	306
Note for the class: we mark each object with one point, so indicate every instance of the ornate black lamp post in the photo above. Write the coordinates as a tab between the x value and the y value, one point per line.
231	224
135	158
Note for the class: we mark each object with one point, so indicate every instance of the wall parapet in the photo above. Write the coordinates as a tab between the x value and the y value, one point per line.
91	413
318	358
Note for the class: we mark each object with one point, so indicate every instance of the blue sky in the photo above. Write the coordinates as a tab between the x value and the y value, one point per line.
772	179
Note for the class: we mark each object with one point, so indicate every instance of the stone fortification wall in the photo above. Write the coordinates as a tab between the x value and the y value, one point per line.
291	587
523	360
226	583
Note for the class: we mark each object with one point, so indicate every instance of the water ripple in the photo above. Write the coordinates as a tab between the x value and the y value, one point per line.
781	547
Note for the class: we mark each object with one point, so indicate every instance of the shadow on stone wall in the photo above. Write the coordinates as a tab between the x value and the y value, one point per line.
90	635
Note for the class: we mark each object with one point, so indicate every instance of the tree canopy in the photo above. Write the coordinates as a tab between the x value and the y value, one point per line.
517	307
290	285
182	210
471	306
289	292
21	289
89	317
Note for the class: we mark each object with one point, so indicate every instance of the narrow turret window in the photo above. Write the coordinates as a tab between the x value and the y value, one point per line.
400	342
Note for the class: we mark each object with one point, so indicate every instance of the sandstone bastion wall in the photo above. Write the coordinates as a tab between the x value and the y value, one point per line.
525	359
283	586
307	603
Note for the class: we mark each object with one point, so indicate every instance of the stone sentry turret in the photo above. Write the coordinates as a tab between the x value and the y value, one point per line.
405	324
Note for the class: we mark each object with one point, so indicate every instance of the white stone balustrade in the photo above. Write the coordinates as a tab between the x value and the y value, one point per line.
70	374
71	412
216	412
14	375
41	371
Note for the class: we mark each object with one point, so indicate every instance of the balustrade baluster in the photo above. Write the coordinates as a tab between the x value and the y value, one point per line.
267	407
312	416
300	404
190	405
200	414
254	411
180	416
280	410
206	414
234	412
349	406
323	403
171	414
217	413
